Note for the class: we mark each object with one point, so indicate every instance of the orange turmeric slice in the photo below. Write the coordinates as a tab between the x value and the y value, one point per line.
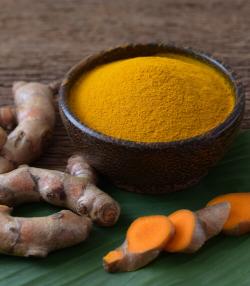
193	229
113	256
185	223
149	233
238	222
145	239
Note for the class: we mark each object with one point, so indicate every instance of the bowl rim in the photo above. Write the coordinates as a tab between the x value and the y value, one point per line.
93	61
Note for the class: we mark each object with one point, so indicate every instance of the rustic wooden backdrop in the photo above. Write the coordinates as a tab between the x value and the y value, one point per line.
41	40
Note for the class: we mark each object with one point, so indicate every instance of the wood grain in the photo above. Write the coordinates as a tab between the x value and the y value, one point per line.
41	40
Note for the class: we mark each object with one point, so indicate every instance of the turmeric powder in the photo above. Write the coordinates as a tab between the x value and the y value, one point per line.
153	99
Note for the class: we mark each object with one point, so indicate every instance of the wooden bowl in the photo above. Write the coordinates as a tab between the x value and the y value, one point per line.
152	168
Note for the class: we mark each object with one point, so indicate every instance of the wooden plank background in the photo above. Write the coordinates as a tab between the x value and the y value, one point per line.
41	40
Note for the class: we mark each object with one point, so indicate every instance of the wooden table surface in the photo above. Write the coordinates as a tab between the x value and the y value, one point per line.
41	40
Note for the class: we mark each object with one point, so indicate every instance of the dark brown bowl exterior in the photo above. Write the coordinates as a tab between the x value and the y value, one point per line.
153	168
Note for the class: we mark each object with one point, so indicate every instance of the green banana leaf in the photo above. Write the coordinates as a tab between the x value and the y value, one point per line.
222	261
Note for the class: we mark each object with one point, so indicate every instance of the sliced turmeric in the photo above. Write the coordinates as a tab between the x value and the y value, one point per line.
182	231
187	226
141	233
238	222
193	229
145	239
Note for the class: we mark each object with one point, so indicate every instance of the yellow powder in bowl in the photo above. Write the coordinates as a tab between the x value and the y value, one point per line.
153	99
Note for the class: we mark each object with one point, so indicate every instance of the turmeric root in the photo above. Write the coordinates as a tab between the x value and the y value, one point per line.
101	207
3	137
55	86
77	166
40	235
35	117
189	235
7	117
238	222
193	229
145	239
28	184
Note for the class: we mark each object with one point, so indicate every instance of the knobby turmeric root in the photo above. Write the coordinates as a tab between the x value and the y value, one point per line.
7	117
78	167
101	207
193	229
145	239
35	115
40	235
238	222
29	184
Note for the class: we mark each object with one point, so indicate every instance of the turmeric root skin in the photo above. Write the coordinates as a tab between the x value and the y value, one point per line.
3	137
35	117
78	167
7	117
238	222
214	218
41	235
28	184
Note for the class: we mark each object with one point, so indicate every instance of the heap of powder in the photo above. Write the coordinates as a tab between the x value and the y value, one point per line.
153	99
